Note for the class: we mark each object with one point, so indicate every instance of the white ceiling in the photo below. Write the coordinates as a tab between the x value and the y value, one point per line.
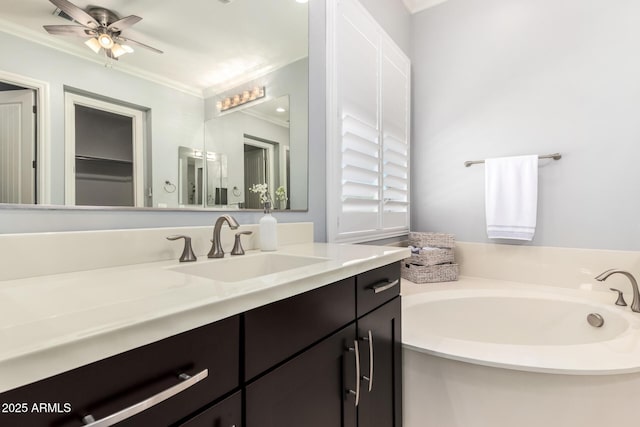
208	45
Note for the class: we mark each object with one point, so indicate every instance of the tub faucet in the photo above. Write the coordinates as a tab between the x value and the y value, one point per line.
635	305
216	249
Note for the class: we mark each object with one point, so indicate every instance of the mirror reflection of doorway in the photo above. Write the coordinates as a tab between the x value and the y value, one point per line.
17	144
255	172
104	153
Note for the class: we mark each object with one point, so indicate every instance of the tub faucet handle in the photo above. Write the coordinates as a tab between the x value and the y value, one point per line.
620	300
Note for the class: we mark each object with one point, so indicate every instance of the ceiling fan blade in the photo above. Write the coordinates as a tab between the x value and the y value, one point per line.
124	40
76	13
124	23
69	30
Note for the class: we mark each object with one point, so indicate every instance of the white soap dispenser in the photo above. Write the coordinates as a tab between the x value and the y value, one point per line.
268	230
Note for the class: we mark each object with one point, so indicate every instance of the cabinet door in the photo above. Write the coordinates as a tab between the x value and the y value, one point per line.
227	413
309	390
381	365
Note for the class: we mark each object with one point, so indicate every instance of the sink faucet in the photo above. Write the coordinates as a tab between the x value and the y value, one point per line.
635	305
216	249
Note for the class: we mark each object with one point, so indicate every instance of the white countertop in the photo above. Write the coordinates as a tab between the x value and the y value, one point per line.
51	324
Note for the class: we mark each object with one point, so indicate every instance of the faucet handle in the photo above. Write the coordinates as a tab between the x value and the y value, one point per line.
237	246
187	252
620	300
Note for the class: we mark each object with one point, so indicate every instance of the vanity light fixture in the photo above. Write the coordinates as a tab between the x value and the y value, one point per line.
241	98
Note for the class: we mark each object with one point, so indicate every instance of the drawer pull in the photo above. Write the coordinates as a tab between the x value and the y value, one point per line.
356	392
187	381
384	285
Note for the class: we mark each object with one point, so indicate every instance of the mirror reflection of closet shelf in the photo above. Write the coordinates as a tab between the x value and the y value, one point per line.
104	150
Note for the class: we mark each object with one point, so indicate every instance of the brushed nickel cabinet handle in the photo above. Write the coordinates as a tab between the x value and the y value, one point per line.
187	381
369	339
384	285
356	392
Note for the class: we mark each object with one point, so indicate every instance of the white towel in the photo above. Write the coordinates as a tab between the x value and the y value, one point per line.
511	197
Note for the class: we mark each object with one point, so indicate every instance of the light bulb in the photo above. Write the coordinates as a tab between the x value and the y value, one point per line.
105	41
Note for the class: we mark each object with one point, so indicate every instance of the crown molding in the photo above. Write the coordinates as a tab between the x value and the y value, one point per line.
415	6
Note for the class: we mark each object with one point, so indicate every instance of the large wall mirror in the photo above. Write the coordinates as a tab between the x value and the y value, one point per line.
188	108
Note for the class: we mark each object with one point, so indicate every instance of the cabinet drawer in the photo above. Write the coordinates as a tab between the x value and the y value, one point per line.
122	381
281	329
375	287
227	413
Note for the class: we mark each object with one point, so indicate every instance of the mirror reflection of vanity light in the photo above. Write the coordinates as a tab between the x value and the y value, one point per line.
241	98
280	110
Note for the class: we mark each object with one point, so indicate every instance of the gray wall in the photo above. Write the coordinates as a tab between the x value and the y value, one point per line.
504	77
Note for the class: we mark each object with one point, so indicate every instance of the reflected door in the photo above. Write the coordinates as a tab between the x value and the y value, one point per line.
17	146
104	146
255	172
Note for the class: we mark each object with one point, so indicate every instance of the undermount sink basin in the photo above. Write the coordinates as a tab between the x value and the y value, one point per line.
247	267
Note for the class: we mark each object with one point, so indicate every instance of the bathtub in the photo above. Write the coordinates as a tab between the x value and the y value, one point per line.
490	354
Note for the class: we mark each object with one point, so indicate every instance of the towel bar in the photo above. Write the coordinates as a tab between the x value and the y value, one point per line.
554	156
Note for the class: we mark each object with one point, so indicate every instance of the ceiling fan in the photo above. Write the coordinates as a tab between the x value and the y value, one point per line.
102	28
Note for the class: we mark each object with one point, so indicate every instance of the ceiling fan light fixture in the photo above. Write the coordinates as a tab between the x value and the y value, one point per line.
101	26
93	44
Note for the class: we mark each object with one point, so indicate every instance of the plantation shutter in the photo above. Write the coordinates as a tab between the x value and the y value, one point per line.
395	137
368	168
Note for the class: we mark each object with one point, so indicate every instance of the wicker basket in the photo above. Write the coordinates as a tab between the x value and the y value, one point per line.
417	273
436	240
433	256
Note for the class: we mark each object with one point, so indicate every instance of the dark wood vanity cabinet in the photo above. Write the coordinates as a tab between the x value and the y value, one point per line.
380	342
350	378
309	390
323	358
117	383
227	413
379	335
275	332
